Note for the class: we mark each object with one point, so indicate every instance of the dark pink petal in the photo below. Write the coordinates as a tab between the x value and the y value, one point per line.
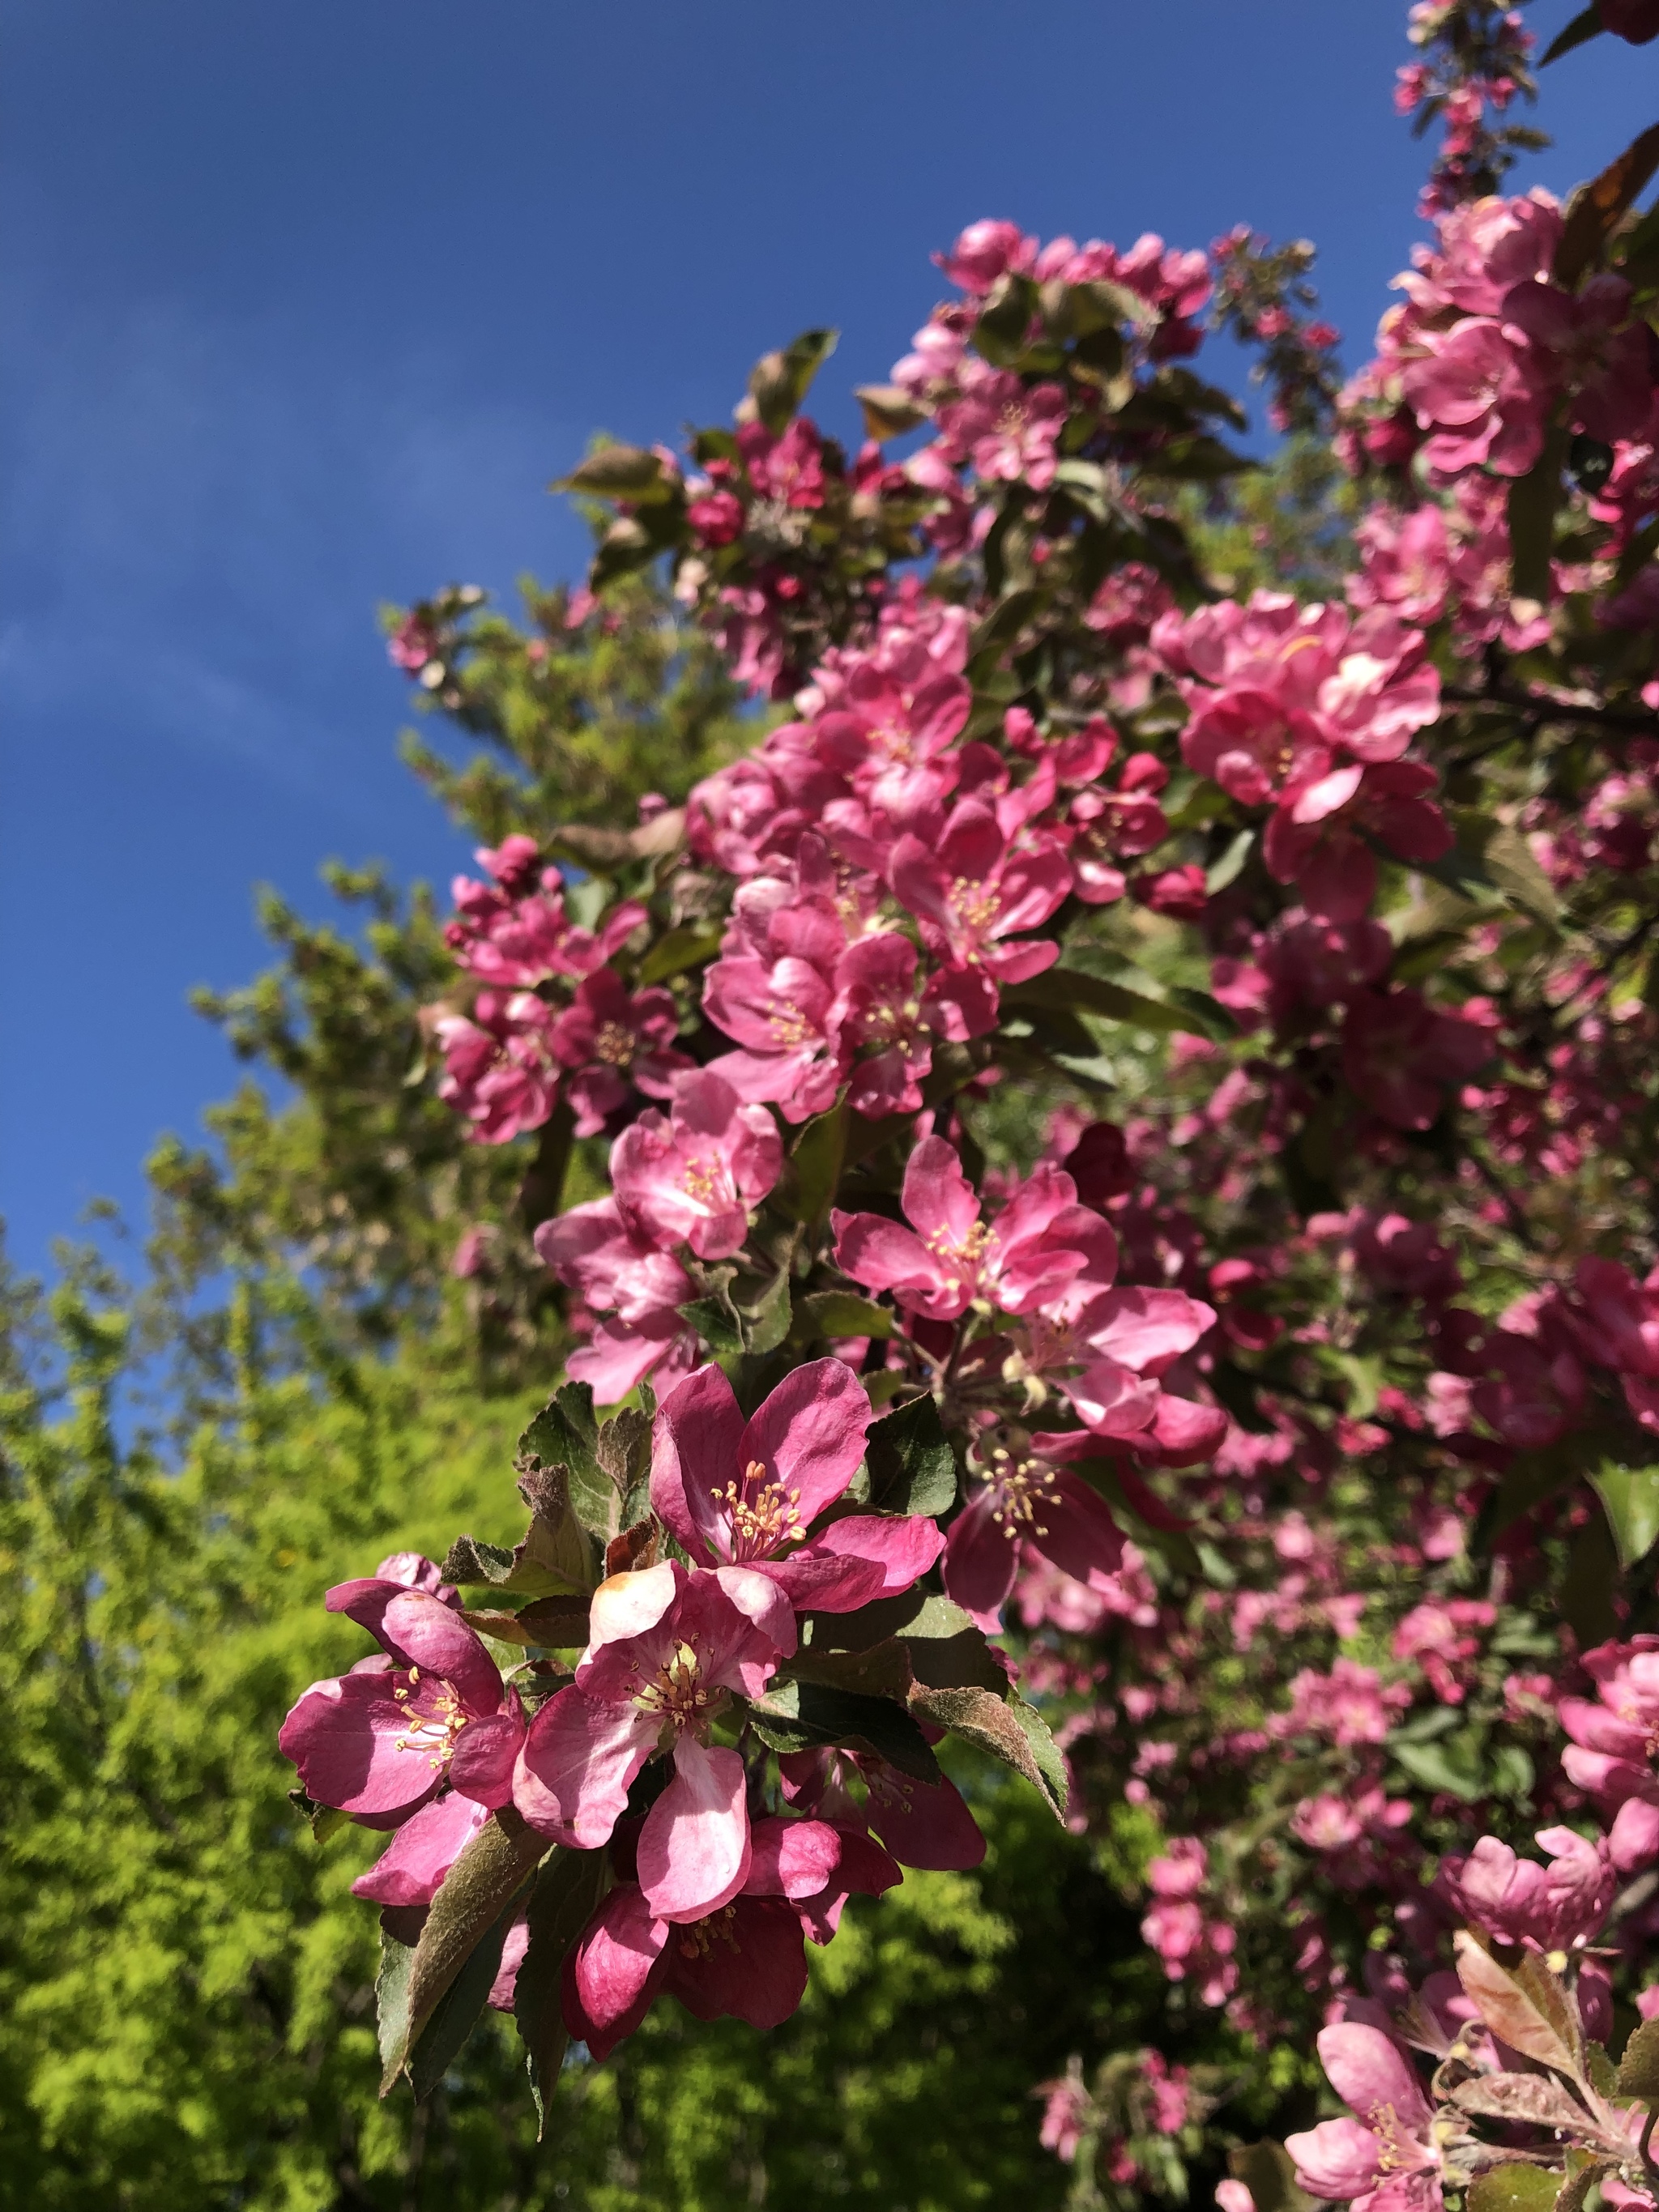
611	1971
1079	1533
486	1751
425	1632
422	1852
1185	1432
577	1763
694	1848
694	1455
792	1858
979	1563
745	1963
344	1737
923	1824
808	1435
905	1544
815	1580
1113	1401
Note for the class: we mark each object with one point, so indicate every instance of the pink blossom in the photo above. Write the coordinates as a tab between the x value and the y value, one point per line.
411	1868
744	1960
1024	1500
667	1645
1400	1055
782	1016
1479	393
511	937
693	1174
986	251
926	1825
380	1741
616	1267
619	1043
1386	2160
1006	428
971	892
1349	1705
748	1494
949	1259
1556	1907
788	466
500	1070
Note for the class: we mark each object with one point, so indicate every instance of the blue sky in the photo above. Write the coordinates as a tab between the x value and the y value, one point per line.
304	304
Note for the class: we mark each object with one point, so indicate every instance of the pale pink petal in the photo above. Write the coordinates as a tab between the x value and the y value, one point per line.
577	1765
1368	2069
694	1849
422	1852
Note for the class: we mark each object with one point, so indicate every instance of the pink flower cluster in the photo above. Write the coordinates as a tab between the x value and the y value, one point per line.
427	1739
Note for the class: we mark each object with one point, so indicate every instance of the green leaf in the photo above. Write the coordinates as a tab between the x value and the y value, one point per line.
1596	207
1586	25
1007	1728
1514	2188
798	1716
457	2012
1511	865
1639	2070
391	1995
1227	869
556	1624
1532	500
716	1324
766	1322
913	1468
889	410
1435	1766
1000	333
475	1893
565	1434
823	1315
1630	1497
617	471
567	1893
1069	992
681	949
554	1560
1268	2171
819	1154
779	381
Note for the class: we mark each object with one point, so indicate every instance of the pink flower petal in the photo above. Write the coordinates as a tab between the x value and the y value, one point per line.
694	1848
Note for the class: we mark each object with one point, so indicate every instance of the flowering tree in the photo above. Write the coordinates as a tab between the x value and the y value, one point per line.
1118	1226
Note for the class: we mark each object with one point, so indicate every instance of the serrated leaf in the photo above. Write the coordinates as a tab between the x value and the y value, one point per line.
475	1893
912	1466
617	471
715	1324
1268	2171
1595	207
1514	2187
779	382
889	410
1530	2097
565	1434
1630	1499
1639	2070
391	1995
1069	992
1533	501
797	1715
817	1161
1529	2010
566	1896
1587	24
680	949
822	1316
1008	1729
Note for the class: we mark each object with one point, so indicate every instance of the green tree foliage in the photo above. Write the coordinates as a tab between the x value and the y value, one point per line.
186	2013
